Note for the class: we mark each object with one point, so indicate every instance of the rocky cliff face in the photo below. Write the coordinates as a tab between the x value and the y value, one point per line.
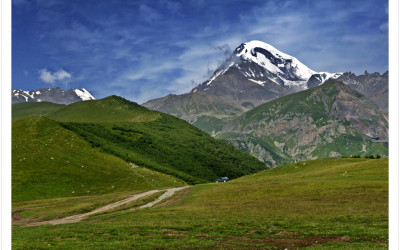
329	120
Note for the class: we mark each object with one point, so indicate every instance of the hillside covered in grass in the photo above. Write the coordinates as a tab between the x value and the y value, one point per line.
109	109
325	203
27	109
49	161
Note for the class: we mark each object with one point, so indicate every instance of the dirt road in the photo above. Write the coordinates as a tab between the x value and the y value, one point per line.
78	217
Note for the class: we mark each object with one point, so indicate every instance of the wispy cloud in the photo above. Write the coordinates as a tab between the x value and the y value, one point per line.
57	76
149	14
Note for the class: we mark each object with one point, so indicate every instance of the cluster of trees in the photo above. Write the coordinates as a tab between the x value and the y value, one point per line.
377	156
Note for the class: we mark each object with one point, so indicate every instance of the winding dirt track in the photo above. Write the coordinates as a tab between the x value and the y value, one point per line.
78	217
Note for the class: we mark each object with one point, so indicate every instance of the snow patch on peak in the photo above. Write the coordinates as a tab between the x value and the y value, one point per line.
273	60
262	83
220	72
30	95
255	43
326	76
84	94
334	75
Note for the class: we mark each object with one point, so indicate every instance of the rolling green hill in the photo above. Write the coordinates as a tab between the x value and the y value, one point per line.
49	161
26	109
323	204
331	120
125	131
154	140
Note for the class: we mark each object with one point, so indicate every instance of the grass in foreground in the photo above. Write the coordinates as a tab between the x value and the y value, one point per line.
323	204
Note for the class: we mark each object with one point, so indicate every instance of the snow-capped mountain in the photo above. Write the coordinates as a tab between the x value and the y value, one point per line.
260	62
55	95
254	74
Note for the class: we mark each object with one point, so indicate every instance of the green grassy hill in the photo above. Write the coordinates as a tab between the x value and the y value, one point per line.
154	140
322	204
84	148
26	109
49	161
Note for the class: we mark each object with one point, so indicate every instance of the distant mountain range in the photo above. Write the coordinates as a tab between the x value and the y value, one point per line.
54	95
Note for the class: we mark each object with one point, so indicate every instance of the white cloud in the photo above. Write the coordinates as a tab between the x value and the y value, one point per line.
49	77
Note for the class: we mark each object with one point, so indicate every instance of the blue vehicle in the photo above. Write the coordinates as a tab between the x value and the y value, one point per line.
222	179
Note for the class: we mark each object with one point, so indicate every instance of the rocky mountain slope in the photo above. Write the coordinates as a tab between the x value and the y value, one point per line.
54	95
330	120
374	86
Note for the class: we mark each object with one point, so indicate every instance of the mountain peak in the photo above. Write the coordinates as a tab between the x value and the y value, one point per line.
258	44
260	63
276	62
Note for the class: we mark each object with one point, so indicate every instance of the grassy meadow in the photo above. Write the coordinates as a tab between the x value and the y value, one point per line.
320	204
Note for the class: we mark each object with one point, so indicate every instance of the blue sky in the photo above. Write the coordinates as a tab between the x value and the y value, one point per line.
142	50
